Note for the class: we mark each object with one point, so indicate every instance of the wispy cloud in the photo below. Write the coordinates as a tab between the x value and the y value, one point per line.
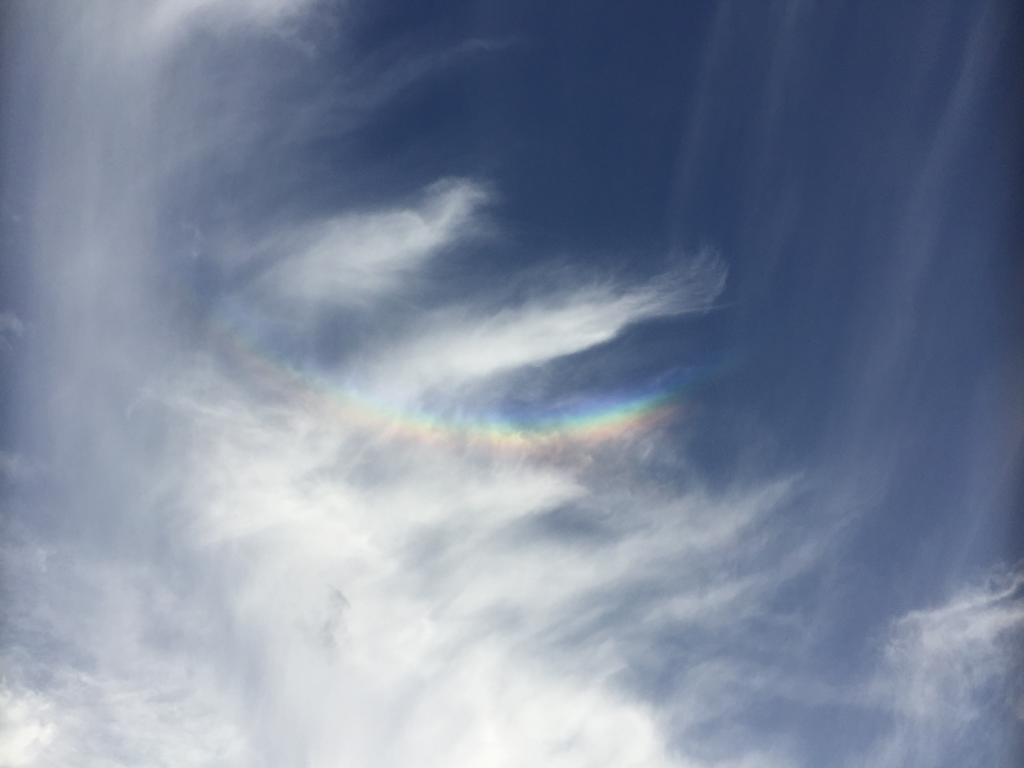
168	21
951	672
356	259
11	330
463	345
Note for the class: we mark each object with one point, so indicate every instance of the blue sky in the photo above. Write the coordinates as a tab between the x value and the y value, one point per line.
498	384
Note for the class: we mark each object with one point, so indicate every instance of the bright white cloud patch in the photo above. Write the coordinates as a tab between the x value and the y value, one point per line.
26	729
394	600
464	345
355	259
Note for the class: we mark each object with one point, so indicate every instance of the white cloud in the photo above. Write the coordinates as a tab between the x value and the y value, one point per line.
167	21
354	259
11	330
390	616
103	667
942	658
26	729
951	670
464	345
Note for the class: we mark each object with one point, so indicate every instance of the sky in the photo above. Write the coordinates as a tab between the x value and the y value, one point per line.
475	384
